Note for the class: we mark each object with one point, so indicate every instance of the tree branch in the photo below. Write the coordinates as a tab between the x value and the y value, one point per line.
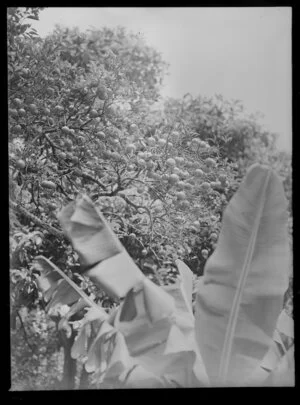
36	220
24	332
88	177
52	143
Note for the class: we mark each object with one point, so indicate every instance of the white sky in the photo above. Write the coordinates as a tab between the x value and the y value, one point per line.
242	53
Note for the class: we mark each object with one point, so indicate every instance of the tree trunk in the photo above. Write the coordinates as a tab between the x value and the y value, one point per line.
84	383
69	372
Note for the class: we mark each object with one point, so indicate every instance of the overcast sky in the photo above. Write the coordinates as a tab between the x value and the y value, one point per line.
241	53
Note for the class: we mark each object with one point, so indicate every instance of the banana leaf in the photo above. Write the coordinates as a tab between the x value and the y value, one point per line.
284	373
110	266
160	346
58	289
186	276
277	358
154	327
240	296
163	344
93	240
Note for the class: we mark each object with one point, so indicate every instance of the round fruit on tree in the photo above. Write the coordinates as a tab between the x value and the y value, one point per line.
22	112
20	164
188	186
199	173
50	91
161	142
17	129
74	159
196	224
151	141
176	170
150	164
133	128
48	184
141	162
222	178
179	160
180	195
93	113
144	252
205	186
130	148
101	135
13	112
33	108
171	162
213	237
175	136
93	84
101	92
61	155
18	102
51	206
210	162
173	178
68	143
65	129
59	109
140	190
204	253
181	184
183	204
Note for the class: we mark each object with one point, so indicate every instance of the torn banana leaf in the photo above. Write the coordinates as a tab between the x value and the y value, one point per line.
186	275
138	377
99	248
116	275
153	332
93	320
93	240
97	355
282	342
58	289
74	309
54	284
277	368
80	346
284	373
269	363
120	359
161	338
285	324
240	296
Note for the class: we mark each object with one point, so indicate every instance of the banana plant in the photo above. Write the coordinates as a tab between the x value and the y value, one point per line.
239	336
240	296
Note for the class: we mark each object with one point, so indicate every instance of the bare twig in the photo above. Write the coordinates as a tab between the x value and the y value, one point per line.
91	178
54	146
49	131
24	332
36	220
